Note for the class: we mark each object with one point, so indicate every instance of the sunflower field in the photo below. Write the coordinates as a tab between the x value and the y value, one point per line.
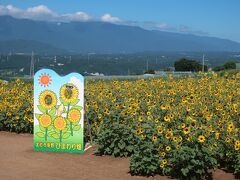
16	106
180	127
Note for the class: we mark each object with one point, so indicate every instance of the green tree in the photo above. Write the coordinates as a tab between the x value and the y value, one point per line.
188	65
150	71
229	65
226	66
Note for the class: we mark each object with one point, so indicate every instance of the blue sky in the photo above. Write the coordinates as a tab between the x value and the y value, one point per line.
218	18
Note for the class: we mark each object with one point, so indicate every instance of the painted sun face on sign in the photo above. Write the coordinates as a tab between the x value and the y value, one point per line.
44	80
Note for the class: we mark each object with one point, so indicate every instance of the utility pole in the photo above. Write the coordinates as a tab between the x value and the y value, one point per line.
147	64
32	65
203	59
89	57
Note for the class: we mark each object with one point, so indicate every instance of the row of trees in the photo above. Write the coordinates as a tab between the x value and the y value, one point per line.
194	66
191	65
226	66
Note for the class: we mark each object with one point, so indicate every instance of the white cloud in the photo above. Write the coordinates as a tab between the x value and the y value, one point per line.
42	12
188	30
162	25
78	16
41	9
110	18
10	10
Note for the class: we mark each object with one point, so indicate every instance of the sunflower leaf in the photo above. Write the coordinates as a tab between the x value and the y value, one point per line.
65	130
74	102
66	135
42	109
40	134
42	128
63	102
37	116
52	112
55	136
51	133
50	128
78	107
76	128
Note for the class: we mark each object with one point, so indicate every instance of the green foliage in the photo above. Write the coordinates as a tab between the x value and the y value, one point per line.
192	162
227	66
188	65
145	160
232	161
150	71
218	68
115	139
230	65
236	163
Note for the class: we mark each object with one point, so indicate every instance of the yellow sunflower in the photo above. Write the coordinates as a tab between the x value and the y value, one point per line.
154	138
68	93
162	166
163	154
45	120
237	147
140	118
163	107
186	130
60	123
201	138
47	99
160	130
175	139
74	115
168	148
167	118
164	161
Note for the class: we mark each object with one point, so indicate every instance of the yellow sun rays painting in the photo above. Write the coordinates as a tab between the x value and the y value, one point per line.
58	112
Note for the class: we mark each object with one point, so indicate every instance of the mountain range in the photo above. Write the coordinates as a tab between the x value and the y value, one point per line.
24	35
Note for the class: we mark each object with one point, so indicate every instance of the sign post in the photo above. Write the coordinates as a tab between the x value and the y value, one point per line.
58	112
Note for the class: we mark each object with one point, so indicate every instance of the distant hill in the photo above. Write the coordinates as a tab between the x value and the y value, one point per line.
27	46
101	37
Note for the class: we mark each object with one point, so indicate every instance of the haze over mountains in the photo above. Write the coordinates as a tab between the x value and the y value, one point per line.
23	35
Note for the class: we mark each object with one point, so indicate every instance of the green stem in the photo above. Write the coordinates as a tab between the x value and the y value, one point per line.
68	109
70	122
46	131
61	136
71	128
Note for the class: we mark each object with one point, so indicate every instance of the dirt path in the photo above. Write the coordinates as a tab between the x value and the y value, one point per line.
18	161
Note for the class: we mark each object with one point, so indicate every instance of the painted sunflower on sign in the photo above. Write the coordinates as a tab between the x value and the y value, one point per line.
60	123
45	120
47	99
74	115
68	93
